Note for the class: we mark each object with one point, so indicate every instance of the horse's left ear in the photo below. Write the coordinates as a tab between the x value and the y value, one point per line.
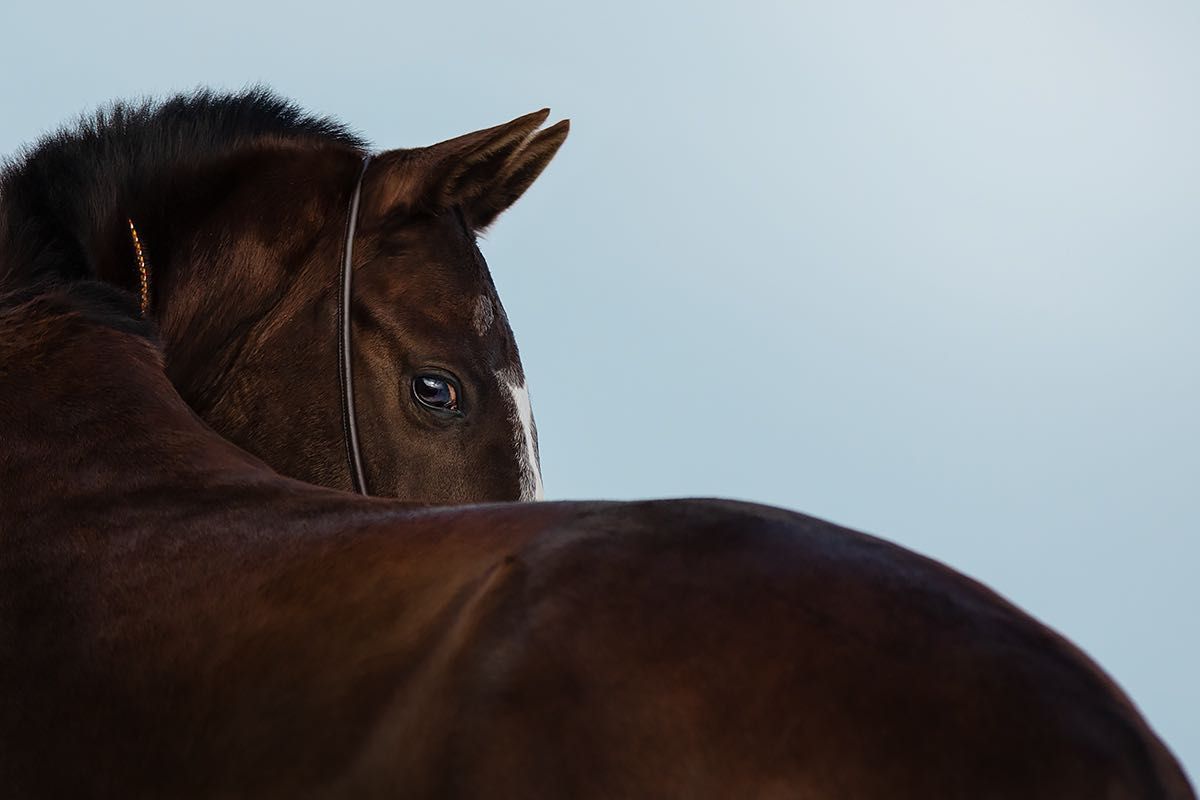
483	172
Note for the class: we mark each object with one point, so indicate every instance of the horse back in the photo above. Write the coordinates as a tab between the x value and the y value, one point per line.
669	649
714	649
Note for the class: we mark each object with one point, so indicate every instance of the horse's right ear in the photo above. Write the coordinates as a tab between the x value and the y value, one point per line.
482	172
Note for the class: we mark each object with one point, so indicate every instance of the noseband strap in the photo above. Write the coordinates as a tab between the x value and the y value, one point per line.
345	370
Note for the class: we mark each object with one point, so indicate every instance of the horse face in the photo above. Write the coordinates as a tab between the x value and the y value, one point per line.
443	410
442	405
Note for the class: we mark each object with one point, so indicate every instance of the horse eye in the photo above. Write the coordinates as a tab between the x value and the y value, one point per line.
436	392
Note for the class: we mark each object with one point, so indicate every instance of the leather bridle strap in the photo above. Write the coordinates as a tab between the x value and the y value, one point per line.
345	370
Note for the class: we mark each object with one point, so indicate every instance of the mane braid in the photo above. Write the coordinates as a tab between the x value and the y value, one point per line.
58	196
143	270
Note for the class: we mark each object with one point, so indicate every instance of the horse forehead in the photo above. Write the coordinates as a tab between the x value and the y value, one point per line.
431	256
476	317
450	296
483	316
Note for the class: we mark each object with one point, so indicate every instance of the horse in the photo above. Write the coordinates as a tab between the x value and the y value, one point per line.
326	309
177	619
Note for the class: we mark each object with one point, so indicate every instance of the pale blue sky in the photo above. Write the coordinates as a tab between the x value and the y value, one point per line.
927	269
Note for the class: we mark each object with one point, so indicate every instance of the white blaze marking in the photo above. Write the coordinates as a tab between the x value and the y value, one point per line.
523	434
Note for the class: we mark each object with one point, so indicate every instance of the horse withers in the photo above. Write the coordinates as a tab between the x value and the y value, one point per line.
338	322
176	620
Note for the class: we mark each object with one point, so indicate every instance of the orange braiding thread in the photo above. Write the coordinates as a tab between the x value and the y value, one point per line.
143	271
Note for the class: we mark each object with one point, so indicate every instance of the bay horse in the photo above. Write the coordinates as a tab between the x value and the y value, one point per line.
178	620
289	280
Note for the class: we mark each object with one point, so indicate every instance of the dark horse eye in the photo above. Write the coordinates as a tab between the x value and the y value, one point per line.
436	392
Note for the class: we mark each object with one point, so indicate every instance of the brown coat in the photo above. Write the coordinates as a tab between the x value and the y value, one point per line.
177	620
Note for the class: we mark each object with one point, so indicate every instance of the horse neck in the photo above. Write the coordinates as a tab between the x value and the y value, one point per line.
250	241
246	301
89	411
238	246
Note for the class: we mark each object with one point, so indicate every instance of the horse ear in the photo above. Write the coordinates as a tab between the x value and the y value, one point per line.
520	170
483	172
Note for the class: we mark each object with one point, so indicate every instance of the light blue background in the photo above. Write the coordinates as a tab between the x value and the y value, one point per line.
927	269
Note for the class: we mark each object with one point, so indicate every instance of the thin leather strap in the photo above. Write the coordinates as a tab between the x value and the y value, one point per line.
345	369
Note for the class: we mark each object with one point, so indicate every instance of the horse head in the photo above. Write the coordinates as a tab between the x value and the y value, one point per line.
230	215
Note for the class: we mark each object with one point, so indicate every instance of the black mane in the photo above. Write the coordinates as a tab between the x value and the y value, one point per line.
55	193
